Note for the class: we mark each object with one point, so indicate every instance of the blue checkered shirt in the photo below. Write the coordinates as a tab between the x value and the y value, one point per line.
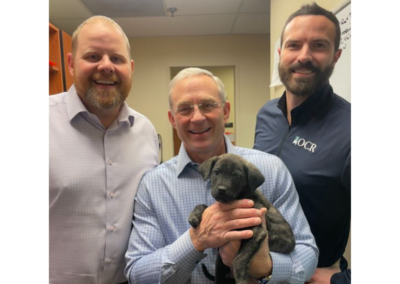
160	249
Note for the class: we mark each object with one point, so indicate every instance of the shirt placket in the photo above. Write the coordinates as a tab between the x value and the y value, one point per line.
111	164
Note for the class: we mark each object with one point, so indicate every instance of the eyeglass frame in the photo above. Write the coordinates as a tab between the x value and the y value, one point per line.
199	106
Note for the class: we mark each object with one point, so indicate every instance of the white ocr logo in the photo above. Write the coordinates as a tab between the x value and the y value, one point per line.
301	142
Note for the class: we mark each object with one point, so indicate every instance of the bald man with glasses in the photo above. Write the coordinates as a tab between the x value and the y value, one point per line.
163	247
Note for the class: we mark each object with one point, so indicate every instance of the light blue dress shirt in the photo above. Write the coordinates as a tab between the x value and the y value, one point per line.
160	249
94	174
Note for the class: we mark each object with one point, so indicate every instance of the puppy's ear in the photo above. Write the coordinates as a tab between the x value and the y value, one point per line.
206	167
255	177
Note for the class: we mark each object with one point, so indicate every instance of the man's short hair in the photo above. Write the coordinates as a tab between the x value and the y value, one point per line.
191	72
94	19
315	10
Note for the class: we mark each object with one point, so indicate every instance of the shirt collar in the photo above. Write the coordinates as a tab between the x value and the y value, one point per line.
74	104
312	106
126	115
184	161
75	107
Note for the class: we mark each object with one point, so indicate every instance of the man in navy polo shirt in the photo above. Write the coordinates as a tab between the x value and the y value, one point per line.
309	129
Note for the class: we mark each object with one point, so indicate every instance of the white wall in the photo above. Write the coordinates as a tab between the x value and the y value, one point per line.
154	56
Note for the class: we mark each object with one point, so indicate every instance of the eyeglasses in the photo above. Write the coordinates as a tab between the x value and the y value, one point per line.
204	107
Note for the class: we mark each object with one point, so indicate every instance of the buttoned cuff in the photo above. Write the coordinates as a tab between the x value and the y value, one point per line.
184	254
282	267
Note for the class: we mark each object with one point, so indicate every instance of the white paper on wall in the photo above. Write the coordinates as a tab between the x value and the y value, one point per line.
275	81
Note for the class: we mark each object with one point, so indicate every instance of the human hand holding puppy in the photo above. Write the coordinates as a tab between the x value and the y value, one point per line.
261	264
233	179
220	221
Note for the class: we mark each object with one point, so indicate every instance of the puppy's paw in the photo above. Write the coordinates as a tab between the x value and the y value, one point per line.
195	215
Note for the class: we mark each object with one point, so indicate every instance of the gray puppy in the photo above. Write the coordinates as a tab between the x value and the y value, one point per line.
232	177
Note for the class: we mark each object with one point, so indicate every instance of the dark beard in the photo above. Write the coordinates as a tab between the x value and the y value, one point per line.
306	86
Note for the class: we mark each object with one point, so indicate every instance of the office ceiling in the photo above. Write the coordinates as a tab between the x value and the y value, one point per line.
151	18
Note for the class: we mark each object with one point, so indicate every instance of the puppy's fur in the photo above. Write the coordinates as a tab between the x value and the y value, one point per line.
232	177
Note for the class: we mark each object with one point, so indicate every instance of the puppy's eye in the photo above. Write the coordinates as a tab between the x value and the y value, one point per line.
216	172
236	176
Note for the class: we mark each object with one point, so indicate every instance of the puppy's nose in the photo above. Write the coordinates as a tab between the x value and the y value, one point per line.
222	189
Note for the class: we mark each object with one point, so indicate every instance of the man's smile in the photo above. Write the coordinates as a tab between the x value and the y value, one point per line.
105	82
303	71
199	132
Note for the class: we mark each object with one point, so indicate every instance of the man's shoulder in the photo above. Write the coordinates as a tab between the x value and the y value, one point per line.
57	99
269	109
269	165
57	107
342	105
340	112
258	157
139	116
134	112
271	104
273	101
166	168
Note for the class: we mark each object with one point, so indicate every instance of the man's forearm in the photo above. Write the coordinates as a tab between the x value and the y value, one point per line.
171	264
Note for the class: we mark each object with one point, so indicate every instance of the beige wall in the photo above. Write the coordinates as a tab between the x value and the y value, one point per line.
280	11
154	56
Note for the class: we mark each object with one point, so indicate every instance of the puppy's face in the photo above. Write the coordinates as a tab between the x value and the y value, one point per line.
228	180
232	177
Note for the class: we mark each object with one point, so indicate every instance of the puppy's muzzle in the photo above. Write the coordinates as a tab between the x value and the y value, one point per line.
222	194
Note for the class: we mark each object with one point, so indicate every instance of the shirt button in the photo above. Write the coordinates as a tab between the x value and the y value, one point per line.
109	260
110	162
112	228
112	195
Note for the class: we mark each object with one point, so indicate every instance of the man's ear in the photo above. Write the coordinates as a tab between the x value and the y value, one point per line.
132	66
171	119
227	111
336	56
70	60
206	167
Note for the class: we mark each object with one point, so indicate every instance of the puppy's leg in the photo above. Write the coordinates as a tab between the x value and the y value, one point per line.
196	214
222	272
248	249
281	237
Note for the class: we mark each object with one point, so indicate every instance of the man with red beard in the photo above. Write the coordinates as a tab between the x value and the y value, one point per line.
309	129
99	150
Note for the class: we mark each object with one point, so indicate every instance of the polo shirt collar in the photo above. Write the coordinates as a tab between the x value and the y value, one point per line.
317	103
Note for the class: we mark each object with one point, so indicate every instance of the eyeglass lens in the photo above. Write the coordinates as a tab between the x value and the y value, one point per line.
204	107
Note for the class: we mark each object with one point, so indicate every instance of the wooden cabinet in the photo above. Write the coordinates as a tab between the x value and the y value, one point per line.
59	46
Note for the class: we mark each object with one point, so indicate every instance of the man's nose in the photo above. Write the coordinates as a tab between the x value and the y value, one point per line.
106	65
197	114
305	54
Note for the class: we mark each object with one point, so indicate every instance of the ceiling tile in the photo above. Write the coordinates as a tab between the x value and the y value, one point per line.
61	9
194	17
177	26
124	8
197	7
255	6
252	23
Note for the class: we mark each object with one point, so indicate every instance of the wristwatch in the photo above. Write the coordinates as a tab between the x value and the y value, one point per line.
264	280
